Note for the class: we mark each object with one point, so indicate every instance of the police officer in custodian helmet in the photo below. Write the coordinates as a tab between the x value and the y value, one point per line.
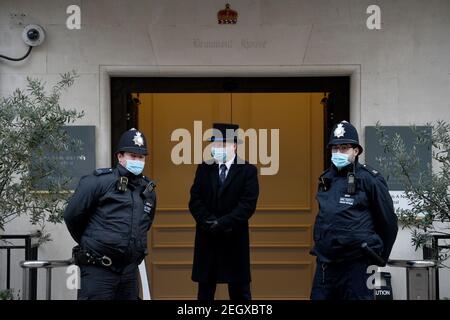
109	217
356	223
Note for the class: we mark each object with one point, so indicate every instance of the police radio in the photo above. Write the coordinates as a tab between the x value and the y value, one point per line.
351	183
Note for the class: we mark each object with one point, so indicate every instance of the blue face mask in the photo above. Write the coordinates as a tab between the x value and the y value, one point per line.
340	160
220	154
135	166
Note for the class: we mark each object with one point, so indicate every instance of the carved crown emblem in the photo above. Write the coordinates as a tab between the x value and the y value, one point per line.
227	15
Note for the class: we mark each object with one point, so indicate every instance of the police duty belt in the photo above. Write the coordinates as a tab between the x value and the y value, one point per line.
84	257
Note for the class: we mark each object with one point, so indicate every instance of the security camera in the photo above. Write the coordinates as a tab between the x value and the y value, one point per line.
33	35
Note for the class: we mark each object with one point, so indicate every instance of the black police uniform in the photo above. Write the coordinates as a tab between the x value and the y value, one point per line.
109	217
350	214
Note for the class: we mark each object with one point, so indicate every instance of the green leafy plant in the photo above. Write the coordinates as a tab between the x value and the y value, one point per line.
429	194
8	294
32	123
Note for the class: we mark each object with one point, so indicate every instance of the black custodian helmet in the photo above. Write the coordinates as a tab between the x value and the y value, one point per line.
344	133
132	141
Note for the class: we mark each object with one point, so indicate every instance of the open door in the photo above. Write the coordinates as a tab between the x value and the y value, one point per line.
280	230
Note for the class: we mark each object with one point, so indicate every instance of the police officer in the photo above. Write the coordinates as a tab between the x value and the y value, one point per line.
356	223
109	216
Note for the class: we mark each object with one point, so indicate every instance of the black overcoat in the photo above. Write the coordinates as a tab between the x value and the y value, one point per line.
223	257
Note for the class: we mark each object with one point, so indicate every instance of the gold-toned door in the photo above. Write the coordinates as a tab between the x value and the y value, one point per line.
280	230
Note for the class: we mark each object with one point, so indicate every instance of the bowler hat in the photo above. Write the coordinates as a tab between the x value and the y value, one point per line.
225	132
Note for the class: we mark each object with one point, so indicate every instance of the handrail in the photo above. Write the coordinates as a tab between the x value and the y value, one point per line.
35	234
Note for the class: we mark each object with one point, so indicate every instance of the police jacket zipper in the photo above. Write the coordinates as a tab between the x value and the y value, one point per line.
132	218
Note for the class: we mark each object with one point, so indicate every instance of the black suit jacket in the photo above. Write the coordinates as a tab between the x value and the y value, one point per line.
223	257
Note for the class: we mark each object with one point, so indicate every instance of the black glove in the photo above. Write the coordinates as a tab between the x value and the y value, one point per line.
204	225
216	227
213	226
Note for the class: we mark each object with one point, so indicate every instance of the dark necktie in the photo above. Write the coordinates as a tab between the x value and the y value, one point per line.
223	172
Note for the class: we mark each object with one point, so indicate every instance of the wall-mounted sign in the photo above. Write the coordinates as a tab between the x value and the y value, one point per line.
375	152
227	15
73	164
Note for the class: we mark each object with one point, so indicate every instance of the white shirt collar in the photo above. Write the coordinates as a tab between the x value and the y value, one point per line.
228	163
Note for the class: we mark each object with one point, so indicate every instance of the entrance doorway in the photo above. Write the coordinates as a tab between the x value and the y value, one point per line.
281	229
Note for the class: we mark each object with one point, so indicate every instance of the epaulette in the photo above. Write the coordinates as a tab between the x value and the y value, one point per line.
148	180
149	187
101	171
371	170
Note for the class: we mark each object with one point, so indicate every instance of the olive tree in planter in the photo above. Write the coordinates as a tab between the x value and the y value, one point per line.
32	126
429	196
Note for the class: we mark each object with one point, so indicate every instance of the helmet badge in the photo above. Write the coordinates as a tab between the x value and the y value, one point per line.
138	140
339	131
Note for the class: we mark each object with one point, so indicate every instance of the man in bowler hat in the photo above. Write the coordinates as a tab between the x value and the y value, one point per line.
223	198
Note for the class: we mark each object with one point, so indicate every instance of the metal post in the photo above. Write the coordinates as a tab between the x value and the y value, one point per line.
8	268
32	276
433	285
48	291
34	272
435	243
25	287
408	286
